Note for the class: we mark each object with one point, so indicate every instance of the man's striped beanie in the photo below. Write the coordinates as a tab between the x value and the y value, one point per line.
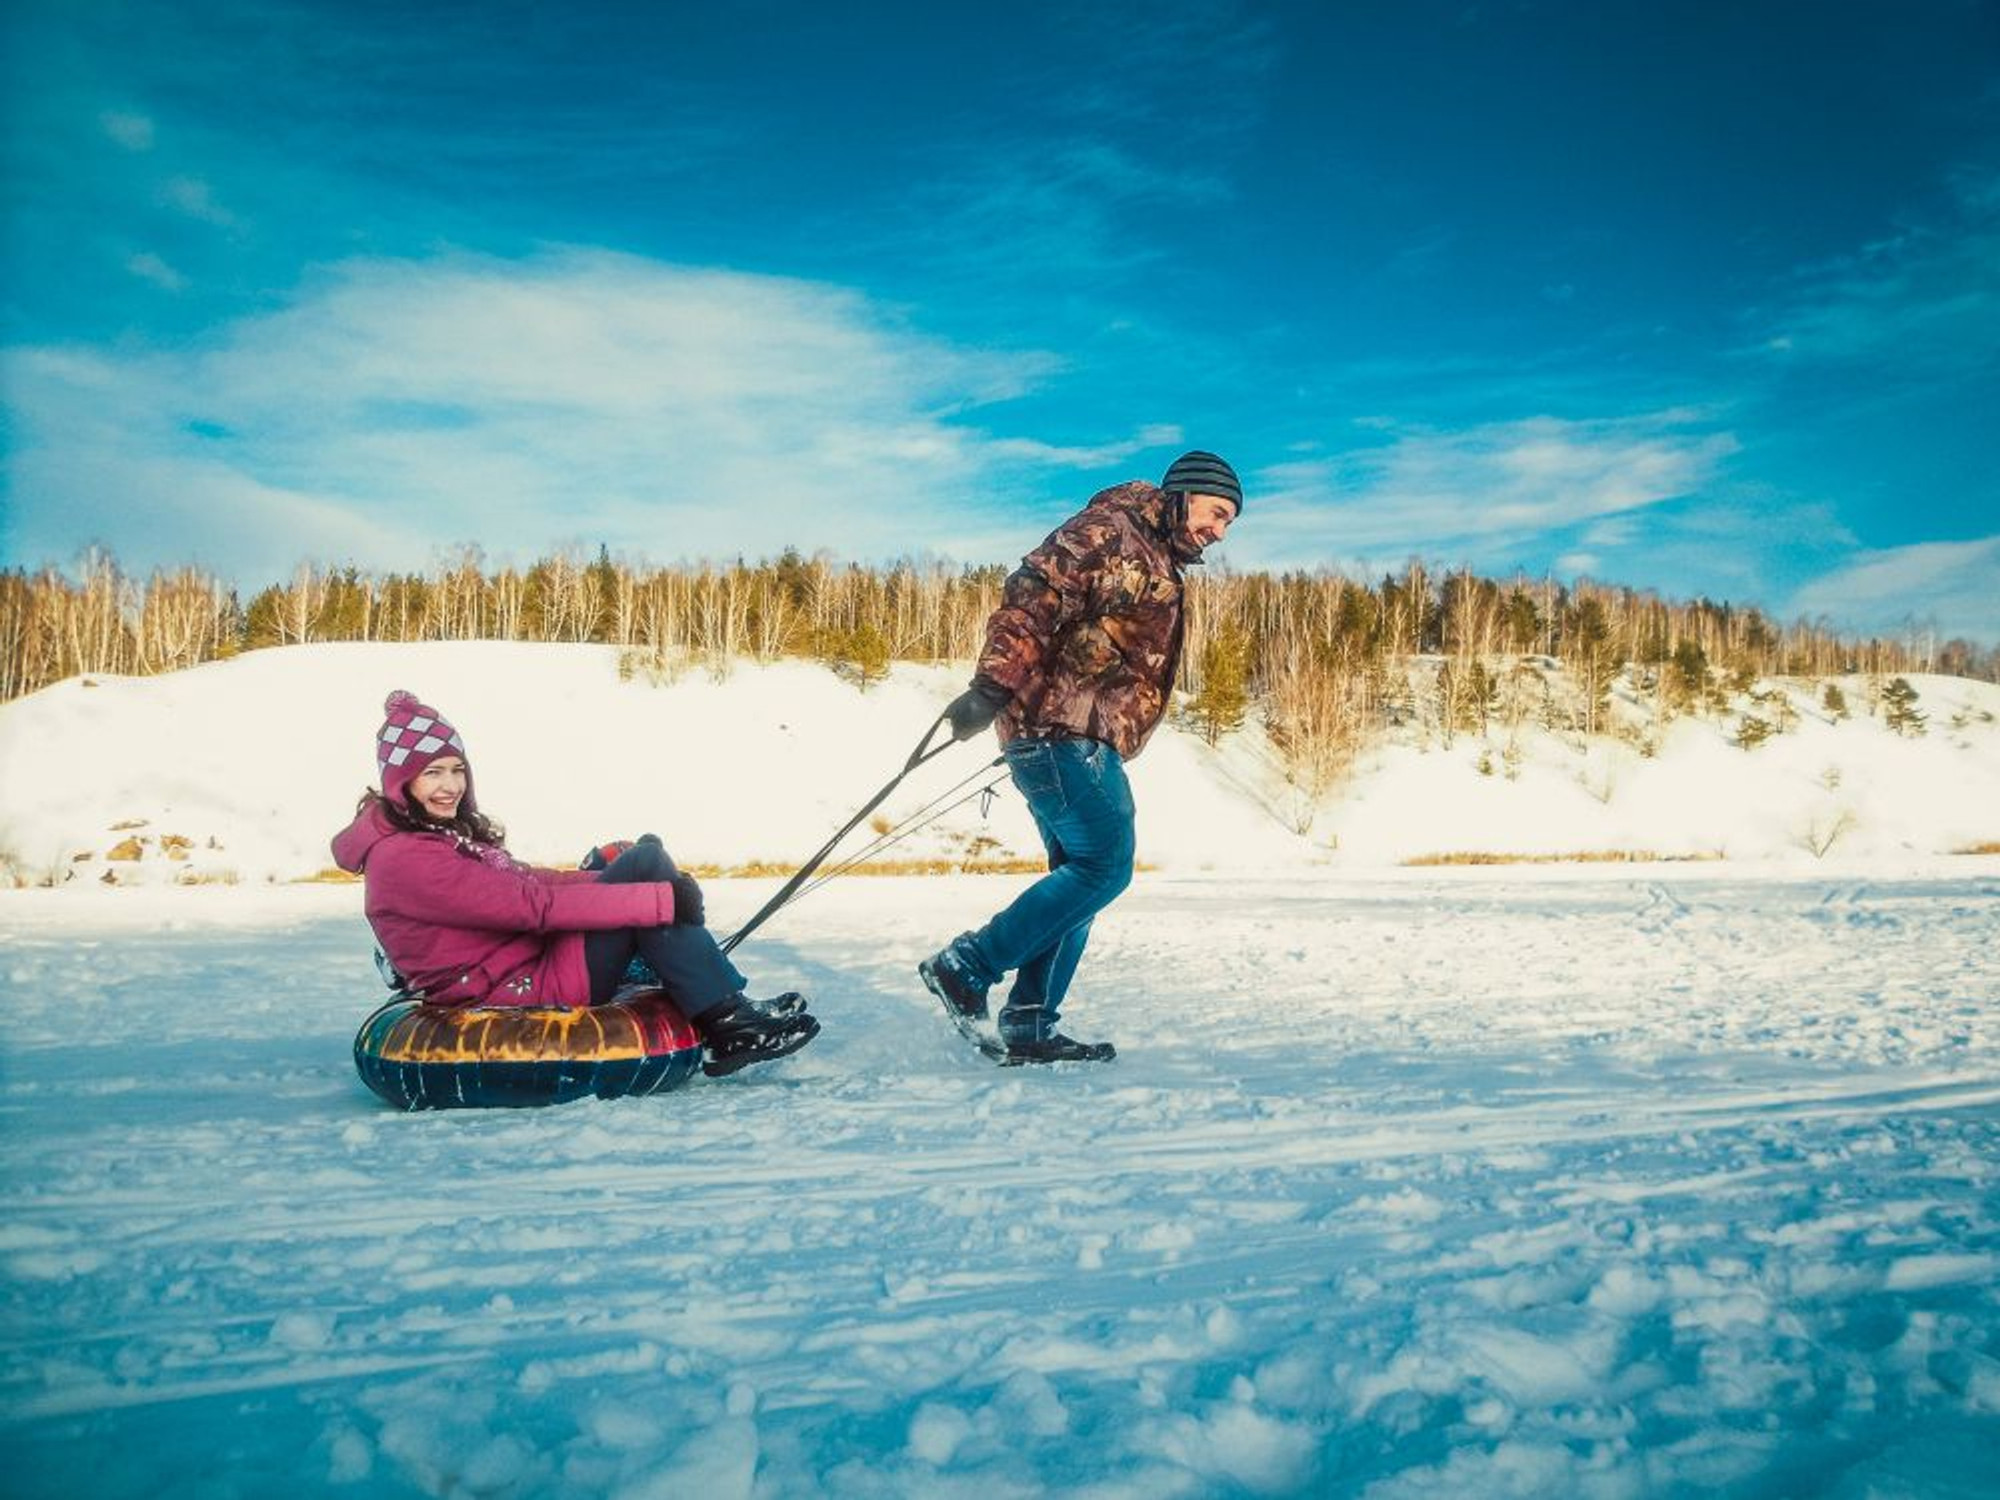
1200	473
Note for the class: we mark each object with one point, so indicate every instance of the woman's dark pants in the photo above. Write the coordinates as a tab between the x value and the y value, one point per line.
694	971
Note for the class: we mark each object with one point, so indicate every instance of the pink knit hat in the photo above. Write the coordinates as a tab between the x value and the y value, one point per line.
413	736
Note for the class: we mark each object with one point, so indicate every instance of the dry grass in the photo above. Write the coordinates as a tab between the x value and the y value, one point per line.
1991	846
1572	857
764	869
760	869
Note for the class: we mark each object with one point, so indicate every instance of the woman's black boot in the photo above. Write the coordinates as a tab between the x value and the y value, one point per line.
737	1033
782	1007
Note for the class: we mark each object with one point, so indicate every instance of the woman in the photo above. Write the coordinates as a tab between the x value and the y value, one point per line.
464	923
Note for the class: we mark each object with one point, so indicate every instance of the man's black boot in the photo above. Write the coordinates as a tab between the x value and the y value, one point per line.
1059	1048
947	975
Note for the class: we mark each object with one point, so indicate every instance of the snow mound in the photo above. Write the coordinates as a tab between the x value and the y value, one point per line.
244	769
241	770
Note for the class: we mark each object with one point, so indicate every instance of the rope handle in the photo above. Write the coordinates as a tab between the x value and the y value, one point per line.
921	754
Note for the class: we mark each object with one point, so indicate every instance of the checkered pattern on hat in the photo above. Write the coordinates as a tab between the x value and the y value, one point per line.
412	736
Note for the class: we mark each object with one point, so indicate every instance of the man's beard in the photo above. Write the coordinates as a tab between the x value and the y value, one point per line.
1180	541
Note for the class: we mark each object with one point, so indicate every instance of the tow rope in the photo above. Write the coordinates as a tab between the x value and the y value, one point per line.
924	753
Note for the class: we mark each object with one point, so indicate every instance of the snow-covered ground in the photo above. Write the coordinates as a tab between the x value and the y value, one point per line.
242	769
1676	1179
1550	1183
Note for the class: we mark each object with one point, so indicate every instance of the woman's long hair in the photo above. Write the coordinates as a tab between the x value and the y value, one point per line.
467	823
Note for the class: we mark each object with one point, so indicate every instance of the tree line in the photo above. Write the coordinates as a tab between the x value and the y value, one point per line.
54	626
1316	650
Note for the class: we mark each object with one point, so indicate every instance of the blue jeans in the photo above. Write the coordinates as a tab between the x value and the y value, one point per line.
1082	804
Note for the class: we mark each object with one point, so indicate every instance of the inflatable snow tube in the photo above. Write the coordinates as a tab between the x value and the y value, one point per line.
419	1056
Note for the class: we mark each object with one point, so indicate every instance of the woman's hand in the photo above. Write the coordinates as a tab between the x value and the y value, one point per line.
688	907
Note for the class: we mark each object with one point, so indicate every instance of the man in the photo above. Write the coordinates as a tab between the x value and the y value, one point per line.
1077	667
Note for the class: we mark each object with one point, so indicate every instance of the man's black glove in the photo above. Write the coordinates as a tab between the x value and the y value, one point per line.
974	710
688	909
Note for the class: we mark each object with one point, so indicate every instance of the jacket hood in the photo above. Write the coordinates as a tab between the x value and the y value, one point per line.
353	844
1146	501
1154	509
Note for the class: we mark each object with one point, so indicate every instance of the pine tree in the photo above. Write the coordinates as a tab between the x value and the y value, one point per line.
1522	621
1592	659
868	655
1901	712
602	596
1752	732
1225	684
345	611
1687	676
260	620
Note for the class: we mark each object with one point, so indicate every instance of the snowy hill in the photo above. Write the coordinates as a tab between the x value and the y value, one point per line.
1829	786
240	770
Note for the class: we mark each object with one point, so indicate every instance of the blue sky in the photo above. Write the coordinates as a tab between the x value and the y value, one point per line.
1700	298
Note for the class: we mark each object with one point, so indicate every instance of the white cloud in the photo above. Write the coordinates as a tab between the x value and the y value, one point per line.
132	131
149	267
1926	297
403	406
1486	492
1614	531
1098	457
196	198
1952	585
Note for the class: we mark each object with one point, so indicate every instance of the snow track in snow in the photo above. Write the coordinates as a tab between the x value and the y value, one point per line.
1482	1183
